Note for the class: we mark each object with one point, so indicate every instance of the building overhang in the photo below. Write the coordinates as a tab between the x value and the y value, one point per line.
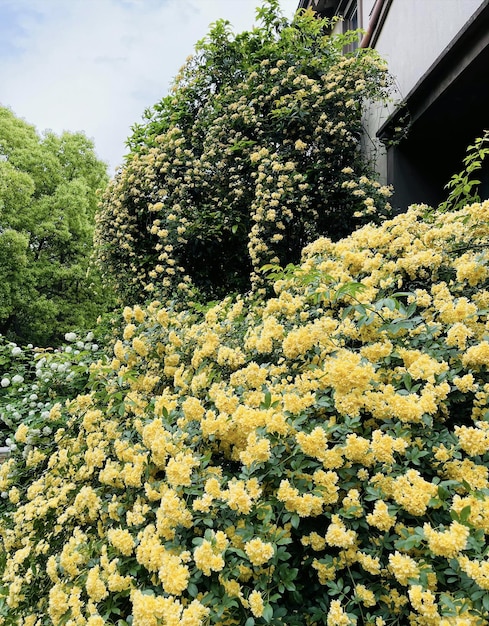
456	85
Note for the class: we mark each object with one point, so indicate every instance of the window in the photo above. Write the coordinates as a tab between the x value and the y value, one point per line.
351	22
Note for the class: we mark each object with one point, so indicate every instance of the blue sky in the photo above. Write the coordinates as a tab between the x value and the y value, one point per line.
95	65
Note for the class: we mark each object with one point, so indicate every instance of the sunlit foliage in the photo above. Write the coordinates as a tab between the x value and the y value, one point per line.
48	200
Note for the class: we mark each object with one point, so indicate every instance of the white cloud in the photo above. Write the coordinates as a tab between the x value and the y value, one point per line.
95	65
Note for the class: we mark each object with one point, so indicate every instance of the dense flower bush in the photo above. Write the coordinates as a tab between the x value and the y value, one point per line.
33	380
315	457
255	153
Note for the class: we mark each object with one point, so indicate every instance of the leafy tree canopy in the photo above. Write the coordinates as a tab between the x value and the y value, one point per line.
48	201
253	154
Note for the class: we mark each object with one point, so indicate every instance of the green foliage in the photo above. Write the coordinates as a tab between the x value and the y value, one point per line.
255	152
319	456
463	187
48	202
33	380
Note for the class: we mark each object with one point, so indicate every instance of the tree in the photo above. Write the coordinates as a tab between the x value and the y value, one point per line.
255	153
48	201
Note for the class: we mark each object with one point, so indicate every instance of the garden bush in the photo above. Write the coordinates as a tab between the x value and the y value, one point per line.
317	456
255	153
33	379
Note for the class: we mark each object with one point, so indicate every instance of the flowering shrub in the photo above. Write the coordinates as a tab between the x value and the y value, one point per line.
255	153
32	380
315	457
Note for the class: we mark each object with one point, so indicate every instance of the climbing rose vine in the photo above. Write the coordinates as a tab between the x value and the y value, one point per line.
255	153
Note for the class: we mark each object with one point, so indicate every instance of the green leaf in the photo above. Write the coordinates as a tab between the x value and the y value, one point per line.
267	613
295	520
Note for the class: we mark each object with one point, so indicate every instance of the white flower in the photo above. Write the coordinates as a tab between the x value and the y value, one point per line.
70	336
17	379
95	347
89	337
16	351
5	382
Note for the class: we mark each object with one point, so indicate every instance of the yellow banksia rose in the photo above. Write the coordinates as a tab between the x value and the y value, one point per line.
258	551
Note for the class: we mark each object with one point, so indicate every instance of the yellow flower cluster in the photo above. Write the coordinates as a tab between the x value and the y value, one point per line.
189	486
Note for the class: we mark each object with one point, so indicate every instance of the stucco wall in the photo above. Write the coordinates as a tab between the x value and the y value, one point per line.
416	32
414	35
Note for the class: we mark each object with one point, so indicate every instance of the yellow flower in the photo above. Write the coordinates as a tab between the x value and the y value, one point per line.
423	602
256	603
473	441
58	603
179	469
326	572
366	596
122	540
21	433
173	573
380	517
414	493
207	558
448	543
257	450
477	356
140	347
258	551
337	616
403	567
129	331
95	586
337	535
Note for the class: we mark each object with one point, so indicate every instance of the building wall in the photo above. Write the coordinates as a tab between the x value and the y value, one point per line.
438	55
416	32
